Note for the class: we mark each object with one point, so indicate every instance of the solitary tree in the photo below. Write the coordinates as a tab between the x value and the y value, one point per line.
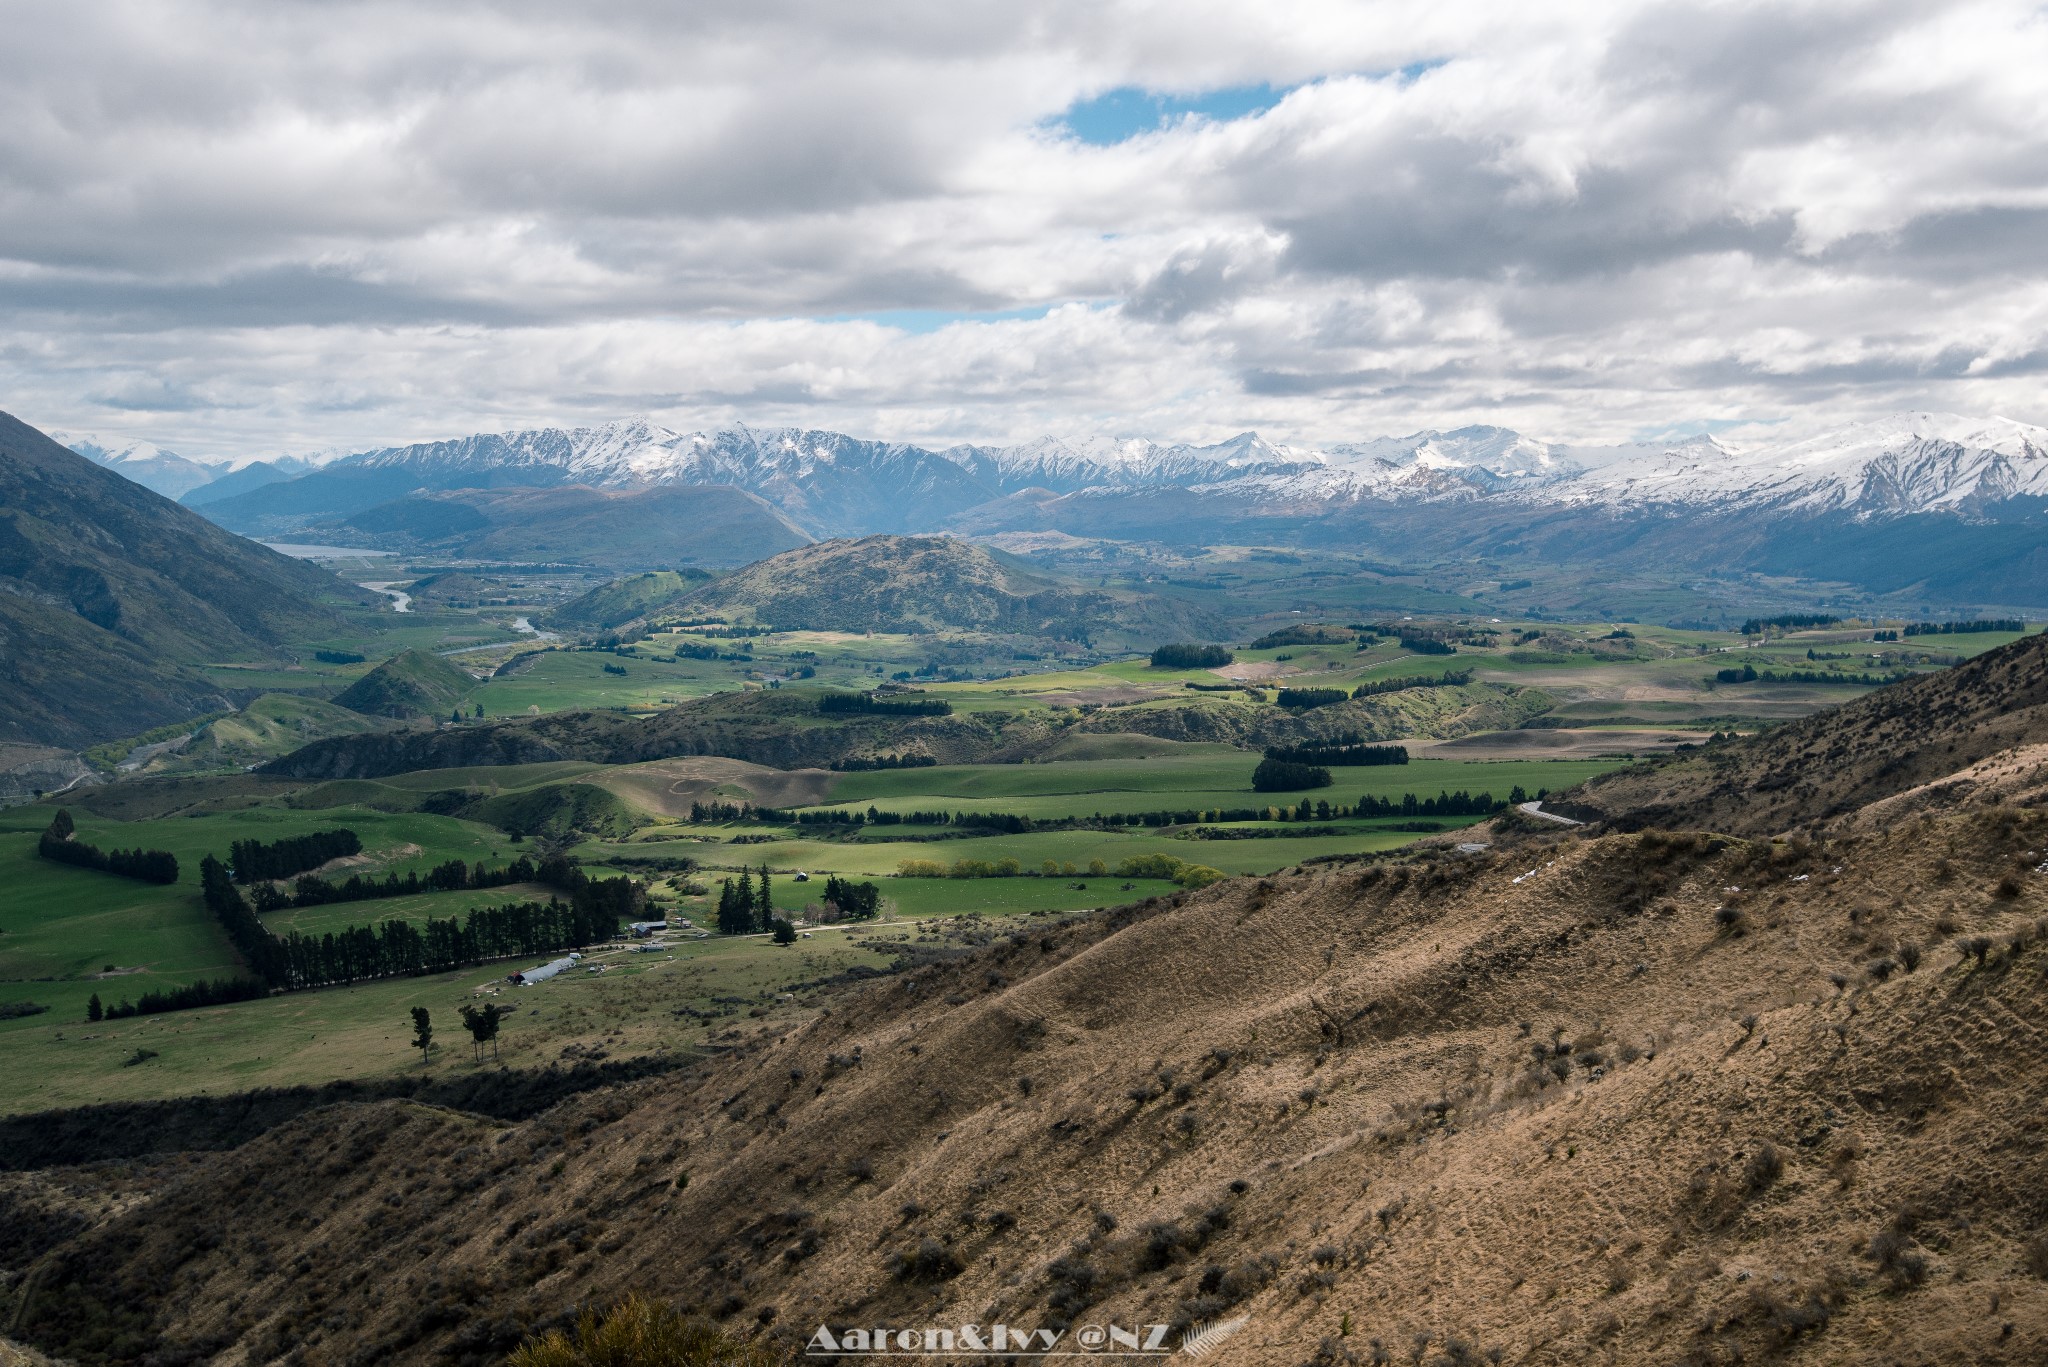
767	906
422	1033
785	933
93	1010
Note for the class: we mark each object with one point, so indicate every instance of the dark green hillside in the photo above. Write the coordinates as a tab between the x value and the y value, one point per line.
109	593
629	529
780	728
454	589
411	685
932	583
623	600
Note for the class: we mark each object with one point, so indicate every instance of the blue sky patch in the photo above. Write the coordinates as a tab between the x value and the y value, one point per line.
1127	112
931	320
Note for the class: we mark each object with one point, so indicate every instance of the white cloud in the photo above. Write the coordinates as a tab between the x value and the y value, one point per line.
237	227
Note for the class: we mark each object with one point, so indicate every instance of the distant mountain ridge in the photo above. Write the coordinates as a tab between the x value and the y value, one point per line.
834	484
1942	506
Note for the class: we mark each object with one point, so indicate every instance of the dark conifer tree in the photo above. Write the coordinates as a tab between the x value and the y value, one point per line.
422	1032
93	1010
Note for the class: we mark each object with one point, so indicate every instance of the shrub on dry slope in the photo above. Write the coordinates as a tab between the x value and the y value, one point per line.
638	1332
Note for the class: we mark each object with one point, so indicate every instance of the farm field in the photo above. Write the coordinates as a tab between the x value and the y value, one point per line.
61	926
363	1031
878	858
641	1002
1218	777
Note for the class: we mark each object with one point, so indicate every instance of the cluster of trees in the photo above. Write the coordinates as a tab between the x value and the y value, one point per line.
856	764
1140	866
1004	822
1304	634
60	842
216	993
853	901
593	913
960	868
619	670
1886	635
743	908
1312	697
338	657
1964	628
721	811
1460	803
1285	776
400	948
1445	634
869	704
1450	678
481	1022
1322	809
254	860
1188	655
1788	621
1751	674
1340	752
725	629
1424	645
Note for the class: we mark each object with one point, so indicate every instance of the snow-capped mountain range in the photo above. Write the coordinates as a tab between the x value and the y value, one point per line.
835	484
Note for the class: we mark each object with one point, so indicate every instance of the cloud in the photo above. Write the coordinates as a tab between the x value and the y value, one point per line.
243	226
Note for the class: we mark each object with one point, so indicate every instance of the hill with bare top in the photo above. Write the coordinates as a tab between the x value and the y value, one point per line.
932	583
1740	1093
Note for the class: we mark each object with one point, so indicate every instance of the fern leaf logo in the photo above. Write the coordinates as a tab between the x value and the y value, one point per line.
1203	1339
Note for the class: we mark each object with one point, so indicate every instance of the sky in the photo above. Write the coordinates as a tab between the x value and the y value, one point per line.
245	227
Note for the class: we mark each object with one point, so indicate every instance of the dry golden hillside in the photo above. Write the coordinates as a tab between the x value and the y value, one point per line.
1837	762
1588	1097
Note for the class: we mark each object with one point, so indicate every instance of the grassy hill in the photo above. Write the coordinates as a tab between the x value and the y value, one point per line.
272	725
930	583
109	593
625	600
1770	1093
413	684
621	529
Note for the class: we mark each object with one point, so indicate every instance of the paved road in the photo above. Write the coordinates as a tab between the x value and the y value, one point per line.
1535	809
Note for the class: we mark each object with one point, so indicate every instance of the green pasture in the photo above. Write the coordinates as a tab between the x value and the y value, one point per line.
437	906
870	859
60	926
58	1059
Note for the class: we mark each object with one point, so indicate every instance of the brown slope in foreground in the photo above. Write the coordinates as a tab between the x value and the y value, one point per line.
1576	1101
1906	737
1619	1097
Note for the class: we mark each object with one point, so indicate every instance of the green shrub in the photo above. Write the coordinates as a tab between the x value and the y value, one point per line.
638	1332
